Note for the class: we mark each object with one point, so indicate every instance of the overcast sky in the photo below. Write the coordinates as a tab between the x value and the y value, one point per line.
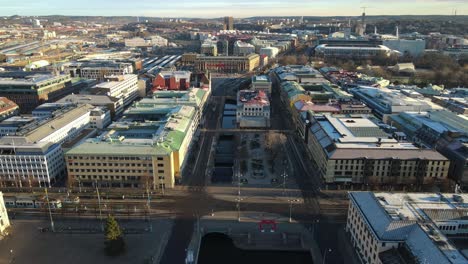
236	8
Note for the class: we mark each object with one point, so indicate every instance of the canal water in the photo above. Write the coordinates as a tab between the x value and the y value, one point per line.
224	159
229	114
219	249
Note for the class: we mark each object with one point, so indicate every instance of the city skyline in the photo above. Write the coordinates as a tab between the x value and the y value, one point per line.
241	8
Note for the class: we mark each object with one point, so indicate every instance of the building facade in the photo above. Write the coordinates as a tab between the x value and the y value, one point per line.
119	86
147	148
253	109
4	220
29	90
355	150
97	69
225	64
228	23
406	227
172	80
261	83
32	156
243	49
8	108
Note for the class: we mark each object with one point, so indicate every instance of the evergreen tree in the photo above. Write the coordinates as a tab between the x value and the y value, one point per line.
114	243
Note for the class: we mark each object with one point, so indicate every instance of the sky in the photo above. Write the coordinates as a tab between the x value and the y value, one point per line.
236	8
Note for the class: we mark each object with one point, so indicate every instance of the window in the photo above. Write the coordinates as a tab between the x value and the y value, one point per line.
160	171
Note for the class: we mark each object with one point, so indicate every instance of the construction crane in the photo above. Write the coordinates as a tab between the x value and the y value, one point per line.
364	8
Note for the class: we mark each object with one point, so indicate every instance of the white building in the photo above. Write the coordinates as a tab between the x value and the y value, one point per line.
121	86
253	109
333	51
271	52
407	227
261	82
407	46
243	49
32	155
97	69
146	42
4	221
100	118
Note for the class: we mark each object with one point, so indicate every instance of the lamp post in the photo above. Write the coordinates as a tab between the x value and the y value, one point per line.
285	175
99	203
52	226
291	201
325	254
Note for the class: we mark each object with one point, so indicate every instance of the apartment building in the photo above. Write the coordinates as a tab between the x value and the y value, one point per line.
407	227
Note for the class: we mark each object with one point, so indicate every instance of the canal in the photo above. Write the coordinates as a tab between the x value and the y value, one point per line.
219	249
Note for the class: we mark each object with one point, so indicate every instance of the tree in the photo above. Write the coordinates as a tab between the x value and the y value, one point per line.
114	243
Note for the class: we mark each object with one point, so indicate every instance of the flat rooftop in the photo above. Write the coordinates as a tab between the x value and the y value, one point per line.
414	218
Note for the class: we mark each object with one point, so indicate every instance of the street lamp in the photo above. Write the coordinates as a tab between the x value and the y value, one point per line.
99	202
285	175
11	255
291	201
238	208
52	226
328	250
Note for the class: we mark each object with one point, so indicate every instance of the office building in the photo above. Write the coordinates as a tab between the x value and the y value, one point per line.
4	220
99	118
228	23
253	109
32	156
385	101
147	148
8	108
172	80
97	69
194	97
261	83
49	110
29	89
243	49
118	86
355	150
113	104
408	227
227	64
443	130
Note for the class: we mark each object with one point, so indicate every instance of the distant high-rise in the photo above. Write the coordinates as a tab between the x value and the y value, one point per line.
228	23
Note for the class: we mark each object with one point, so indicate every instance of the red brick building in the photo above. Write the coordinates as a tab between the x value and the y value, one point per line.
172	80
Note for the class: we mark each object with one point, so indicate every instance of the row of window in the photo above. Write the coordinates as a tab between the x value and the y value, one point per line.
110	158
114	164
